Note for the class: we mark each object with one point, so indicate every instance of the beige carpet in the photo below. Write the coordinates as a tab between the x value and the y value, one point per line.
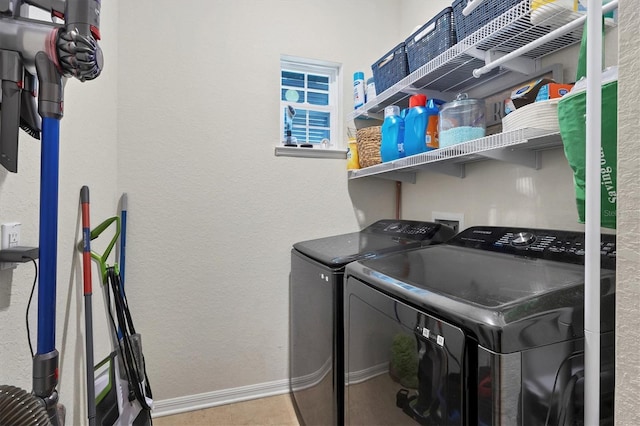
370	403
275	410
373	403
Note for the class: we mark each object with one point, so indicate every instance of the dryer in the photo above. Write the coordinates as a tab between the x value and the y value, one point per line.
316	326
486	329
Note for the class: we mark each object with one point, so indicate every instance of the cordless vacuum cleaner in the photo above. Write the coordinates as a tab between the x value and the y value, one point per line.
50	52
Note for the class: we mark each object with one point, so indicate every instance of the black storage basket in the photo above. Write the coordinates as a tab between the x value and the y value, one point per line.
487	11
391	68
431	39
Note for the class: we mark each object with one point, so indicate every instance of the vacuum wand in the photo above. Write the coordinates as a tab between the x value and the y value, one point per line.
51	52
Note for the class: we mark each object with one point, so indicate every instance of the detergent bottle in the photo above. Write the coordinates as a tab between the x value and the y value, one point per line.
432	111
392	139
415	126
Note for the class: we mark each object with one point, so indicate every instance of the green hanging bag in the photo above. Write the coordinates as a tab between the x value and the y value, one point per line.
572	111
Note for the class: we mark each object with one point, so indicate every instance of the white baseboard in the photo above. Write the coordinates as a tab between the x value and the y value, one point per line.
360	376
312	379
183	404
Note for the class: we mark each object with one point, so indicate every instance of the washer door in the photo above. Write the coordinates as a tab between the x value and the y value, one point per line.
402	366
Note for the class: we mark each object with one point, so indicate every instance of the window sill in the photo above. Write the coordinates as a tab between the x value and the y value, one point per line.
291	151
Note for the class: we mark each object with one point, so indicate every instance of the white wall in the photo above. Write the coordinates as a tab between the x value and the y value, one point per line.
213	213
628	292
87	157
497	193
415	13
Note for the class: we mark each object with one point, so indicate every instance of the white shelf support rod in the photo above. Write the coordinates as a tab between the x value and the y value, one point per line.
522	65
471	6
542	40
592	215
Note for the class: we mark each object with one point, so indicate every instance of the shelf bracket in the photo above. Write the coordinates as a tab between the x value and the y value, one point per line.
368	115
475	52
405	177
531	159
520	64
452	169
414	90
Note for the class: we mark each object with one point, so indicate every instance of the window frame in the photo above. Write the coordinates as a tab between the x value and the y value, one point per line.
333	71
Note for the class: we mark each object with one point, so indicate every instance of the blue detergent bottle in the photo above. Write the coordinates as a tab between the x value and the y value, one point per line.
392	140
415	126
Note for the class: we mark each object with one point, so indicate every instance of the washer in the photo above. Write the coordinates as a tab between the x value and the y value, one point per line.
316	326
485	329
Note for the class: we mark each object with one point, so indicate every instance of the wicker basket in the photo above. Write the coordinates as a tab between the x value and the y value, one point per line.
368	143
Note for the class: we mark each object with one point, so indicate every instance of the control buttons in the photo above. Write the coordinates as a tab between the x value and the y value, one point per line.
395	227
408	229
608	249
522	239
430	336
561	246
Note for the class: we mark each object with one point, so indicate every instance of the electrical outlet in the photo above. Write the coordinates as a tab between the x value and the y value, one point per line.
454	221
10	238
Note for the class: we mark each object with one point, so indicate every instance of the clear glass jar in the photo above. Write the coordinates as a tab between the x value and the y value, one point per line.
461	120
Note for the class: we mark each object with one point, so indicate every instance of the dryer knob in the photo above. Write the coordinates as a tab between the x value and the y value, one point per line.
523	239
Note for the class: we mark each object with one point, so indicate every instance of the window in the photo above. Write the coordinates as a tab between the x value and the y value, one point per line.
309	99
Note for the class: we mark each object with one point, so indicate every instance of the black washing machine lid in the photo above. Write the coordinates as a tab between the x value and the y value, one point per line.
382	237
508	301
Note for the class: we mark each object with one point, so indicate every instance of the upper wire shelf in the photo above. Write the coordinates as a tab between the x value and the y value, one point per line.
452	70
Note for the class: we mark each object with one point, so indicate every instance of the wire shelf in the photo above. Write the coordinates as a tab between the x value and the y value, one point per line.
452	70
521	26
528	140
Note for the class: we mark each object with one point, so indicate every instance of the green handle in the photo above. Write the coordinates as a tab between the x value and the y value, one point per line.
95	233
582	58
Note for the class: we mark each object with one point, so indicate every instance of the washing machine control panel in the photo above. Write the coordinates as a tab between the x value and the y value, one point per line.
561	246
522	239
410	229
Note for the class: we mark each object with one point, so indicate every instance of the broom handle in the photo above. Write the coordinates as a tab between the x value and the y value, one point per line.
123	236
88	310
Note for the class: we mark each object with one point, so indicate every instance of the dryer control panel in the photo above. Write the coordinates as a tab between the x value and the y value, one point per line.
556	245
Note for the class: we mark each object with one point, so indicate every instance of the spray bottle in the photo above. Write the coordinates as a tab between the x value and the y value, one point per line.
289	139
358	90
